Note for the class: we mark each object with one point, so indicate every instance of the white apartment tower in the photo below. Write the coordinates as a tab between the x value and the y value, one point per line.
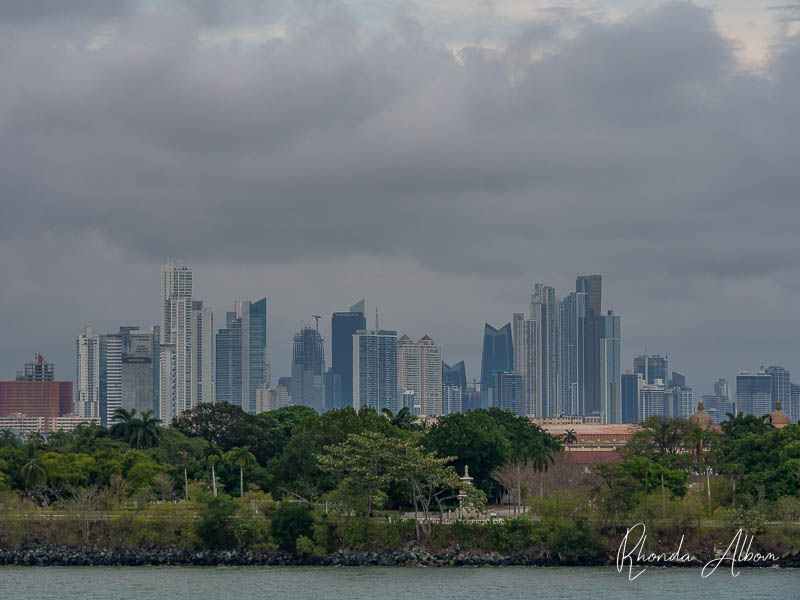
525	360
87	377
419	369
176	364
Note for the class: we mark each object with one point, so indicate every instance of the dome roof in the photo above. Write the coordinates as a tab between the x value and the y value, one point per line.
701	418
778	417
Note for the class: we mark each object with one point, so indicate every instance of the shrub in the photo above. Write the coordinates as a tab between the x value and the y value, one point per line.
290	521
214	526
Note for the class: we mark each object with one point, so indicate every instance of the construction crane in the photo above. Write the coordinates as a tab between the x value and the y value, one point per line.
317	318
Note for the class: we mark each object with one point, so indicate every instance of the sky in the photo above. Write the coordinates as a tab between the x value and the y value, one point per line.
436	158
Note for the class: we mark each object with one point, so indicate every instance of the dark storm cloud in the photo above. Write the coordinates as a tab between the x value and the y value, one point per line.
639	149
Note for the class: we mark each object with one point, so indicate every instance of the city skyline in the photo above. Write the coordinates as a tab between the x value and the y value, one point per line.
473	369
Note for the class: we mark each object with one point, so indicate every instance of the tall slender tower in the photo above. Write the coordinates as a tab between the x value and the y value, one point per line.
343	326
526	361
592	286
308	369
572	348
611	390
544	310
87	376
176	360
375	369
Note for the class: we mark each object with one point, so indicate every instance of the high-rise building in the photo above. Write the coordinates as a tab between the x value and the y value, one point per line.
780	386
572	353
375	369
419	369
591	285
284	392
526	355
498	355
470	399
506	392
651	399
38	394
38	370
265	399
721	388
679	402
793	408
652	367
242	362
110	376
176	360
343	326
631	384
451	399
308	368
611	394
139	349
544	310
87	376
455	375
754	393
717	407
202	342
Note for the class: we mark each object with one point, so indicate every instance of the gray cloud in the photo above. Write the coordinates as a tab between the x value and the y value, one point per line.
334	164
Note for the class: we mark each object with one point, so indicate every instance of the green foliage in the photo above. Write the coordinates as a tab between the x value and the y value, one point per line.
290	521
214	525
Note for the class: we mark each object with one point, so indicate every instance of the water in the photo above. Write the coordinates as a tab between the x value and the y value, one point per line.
409	583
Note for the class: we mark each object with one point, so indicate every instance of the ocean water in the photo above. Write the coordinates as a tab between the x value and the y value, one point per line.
401	583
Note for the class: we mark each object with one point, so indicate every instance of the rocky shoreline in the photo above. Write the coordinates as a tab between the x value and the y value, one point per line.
55	555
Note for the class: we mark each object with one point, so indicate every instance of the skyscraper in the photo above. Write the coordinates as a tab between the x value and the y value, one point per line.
242	354
572	353
498	355
652	367
451	399
780	386
419	369
506	392
591	285
455	375
651	400
308	368
793	408
611	397
343	326
202	343
139	348
375	369
526	360
754	393
110	376
175	362
631	384
544	310
87	376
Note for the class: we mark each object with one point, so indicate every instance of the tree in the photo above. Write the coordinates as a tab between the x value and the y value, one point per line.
212	454
241	457
33	470
663	440
570	437
290	521
184	456
365	461
164	485
81	501
123	420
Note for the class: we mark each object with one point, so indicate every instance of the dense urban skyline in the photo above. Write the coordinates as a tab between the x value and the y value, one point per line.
437	176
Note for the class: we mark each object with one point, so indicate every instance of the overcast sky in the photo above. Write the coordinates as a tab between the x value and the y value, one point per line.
437	158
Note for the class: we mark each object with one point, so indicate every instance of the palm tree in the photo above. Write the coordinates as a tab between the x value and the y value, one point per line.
33	470
211	454
58	439
146	432
7	438
184	456
570	437
123	421
241	457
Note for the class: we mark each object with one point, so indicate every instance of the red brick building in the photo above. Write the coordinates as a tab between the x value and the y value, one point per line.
36	398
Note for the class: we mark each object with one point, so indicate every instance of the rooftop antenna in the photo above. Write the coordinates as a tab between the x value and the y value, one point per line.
317	318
